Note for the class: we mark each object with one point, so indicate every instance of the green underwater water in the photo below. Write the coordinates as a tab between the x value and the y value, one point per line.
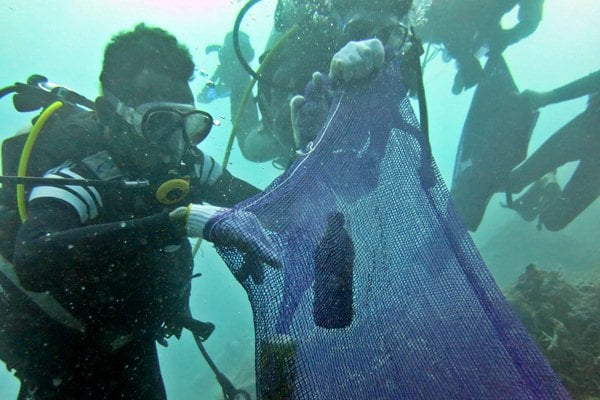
64	40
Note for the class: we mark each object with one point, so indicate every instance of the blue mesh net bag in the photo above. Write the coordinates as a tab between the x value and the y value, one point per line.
382	294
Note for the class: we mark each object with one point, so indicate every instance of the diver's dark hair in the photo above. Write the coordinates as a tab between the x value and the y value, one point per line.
151	48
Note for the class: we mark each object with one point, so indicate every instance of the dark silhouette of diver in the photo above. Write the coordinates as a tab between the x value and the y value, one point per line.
465	27
229	76
305	36
230	79
578	140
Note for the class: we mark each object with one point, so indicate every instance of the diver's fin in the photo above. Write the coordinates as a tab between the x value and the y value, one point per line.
494	140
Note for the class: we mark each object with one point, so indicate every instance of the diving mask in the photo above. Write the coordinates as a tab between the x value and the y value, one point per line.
156	121
365	28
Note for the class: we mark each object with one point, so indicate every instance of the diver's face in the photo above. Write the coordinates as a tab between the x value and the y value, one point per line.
361	24
149	87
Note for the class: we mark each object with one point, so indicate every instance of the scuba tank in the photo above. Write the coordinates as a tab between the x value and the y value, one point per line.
22	312
56	102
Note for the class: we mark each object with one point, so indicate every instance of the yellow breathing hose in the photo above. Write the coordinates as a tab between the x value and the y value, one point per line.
26	153
245	99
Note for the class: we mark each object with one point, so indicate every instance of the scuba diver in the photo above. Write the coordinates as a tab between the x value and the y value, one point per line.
229	79
579	141
304	39
466	27
115	261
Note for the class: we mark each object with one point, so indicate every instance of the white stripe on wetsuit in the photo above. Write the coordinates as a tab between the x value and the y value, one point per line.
209	171
78	197
90	189
56	192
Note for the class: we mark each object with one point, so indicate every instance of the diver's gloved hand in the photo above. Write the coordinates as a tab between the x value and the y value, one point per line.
232	228
309	112
242	230
213	91
357	60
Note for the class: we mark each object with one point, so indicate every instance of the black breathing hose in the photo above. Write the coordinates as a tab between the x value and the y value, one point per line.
236	39
238	51
229	391
8	90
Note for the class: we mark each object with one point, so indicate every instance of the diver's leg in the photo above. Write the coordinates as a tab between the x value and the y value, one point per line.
140	377
567	144
24	393
582	190
260	145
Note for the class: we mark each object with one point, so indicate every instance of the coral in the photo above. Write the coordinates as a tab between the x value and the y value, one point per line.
564	320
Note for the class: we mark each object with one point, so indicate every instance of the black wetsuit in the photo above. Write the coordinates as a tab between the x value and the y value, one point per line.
465	27
578	140
114	259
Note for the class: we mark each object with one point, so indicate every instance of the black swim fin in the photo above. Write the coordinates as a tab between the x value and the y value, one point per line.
494	140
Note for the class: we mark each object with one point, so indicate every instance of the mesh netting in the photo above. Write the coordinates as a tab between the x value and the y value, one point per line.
383	294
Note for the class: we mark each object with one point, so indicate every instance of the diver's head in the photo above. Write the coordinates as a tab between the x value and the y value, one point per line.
147	101
131	55
366	19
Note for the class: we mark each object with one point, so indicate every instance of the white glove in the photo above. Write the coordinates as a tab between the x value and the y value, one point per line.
357	60
195	217
232	228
